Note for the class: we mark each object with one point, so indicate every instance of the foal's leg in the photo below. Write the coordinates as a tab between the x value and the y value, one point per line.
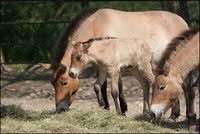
146	88
101	79
122	100
104	101
104	95
114	89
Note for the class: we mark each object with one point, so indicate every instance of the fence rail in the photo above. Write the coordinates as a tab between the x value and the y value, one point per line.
25	62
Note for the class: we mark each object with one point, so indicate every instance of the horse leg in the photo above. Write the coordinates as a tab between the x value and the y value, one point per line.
97	87
191	114
114	90
104	95
122	100
146	88
189	86
175	112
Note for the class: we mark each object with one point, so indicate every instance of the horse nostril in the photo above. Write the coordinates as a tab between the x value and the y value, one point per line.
64	83
153	116
72	74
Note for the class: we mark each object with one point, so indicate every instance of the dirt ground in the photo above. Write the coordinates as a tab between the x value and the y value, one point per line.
34	92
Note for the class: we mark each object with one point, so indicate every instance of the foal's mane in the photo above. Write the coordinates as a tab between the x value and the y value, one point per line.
172	48
98	39
72	27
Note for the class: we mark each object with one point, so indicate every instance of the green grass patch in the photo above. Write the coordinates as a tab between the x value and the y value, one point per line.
88	120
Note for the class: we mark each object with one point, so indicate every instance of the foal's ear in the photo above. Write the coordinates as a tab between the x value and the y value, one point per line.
86	46
166	68
46	66
154	68
76	44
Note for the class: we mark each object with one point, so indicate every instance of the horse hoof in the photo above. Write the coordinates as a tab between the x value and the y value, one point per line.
123	114
172	118
193	128
107	108
146	113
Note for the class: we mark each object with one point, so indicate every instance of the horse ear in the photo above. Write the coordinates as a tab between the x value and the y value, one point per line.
154	68
76	44
166	68
86	46
45	66
63	68
73	43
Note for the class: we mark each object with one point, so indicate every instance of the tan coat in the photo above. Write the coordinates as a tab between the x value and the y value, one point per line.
158	27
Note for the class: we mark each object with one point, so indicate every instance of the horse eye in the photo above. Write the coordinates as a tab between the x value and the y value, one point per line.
64	83
161	87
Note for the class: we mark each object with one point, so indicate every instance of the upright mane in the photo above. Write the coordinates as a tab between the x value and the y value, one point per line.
98	39
63	42
174	45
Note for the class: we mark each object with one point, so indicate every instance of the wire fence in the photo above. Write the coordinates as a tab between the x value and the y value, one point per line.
25	43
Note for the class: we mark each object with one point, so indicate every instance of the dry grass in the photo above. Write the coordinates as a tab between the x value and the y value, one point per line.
15	119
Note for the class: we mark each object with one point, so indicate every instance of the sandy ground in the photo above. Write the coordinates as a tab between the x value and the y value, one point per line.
34	92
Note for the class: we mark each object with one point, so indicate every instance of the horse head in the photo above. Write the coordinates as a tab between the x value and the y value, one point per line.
166	91
65	87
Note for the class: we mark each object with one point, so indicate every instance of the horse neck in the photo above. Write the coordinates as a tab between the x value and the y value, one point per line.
185	59
95	54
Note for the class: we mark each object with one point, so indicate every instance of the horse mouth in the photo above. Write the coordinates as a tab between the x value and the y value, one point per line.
156	117
63	106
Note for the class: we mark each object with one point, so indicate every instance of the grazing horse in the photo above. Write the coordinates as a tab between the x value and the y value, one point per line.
110	55
161	26
172	73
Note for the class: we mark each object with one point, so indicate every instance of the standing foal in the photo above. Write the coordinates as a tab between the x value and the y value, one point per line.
110	55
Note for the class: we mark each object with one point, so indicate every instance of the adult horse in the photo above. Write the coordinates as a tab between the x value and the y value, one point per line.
177	62
160	26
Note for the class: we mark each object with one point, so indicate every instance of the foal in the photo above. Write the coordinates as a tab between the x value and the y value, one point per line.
172	73
110	55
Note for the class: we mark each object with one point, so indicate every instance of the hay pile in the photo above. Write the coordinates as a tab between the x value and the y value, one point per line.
95	119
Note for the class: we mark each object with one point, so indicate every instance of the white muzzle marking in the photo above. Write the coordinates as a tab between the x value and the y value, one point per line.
157	109
74	71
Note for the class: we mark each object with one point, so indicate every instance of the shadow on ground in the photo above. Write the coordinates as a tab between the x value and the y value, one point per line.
16	112
166	123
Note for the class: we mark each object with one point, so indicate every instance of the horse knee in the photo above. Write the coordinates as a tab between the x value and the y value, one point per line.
96	88
114	93
192	92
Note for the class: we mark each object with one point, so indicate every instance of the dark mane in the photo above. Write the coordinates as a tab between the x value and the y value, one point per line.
173	46
63	42
98	39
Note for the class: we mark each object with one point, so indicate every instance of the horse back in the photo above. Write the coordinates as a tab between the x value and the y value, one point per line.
138	24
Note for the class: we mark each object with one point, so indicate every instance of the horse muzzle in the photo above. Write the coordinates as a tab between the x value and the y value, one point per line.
156	111
73	72
62	106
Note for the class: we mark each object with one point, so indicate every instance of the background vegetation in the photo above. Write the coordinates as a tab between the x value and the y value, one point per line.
30	29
